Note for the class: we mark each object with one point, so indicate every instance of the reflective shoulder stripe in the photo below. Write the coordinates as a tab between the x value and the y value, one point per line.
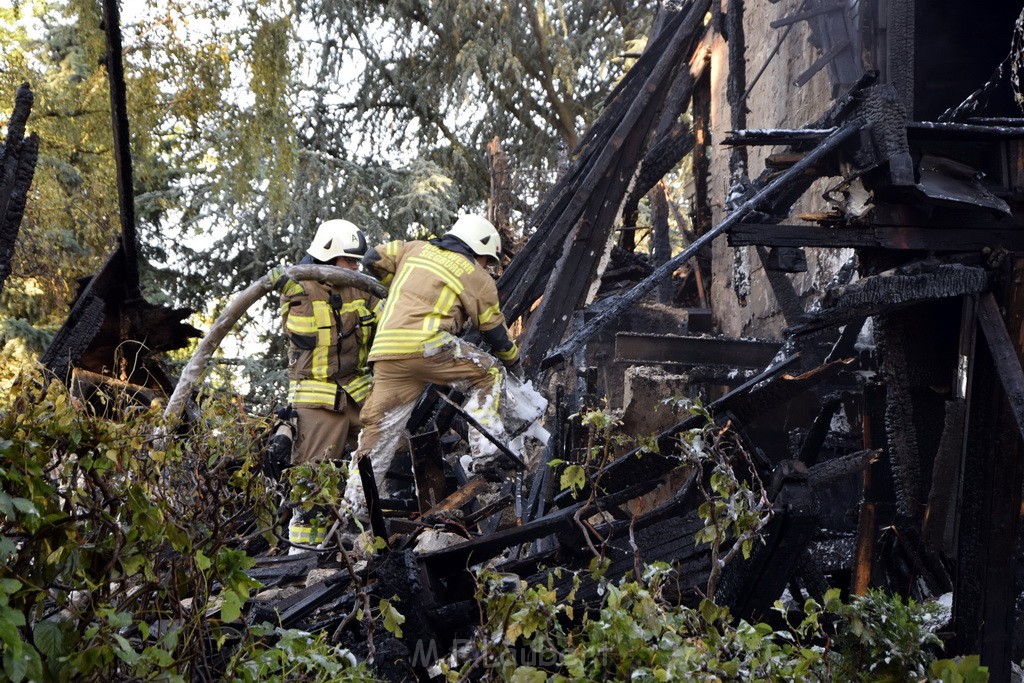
391	248
293	288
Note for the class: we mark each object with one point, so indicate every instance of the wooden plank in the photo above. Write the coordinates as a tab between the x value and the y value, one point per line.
460	556
592	213
933	130
1007	364
890	292
122	144
901	238
460	498
989	514
525	278
685	350
428	469
750	587
777	136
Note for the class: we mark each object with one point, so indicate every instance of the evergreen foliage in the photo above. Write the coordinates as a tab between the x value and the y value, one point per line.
252	122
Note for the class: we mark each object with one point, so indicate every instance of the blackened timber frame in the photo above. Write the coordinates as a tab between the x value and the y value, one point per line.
887	237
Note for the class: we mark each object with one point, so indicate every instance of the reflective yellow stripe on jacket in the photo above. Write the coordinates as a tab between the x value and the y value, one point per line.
313	392
430	334
318	389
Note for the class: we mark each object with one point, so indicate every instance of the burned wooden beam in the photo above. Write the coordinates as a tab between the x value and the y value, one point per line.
894	336
428	468
274	571
1004	356
989	513
111	328
591	214
751	586
628	299
945	477
934	130
649	349
17	168
775	264
114	62
815	437
826	473
778	136
901	238
460	556
888	292
296	608
599	154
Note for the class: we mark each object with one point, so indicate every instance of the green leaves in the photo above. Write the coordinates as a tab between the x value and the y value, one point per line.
124	560
632	633
393	619
573	477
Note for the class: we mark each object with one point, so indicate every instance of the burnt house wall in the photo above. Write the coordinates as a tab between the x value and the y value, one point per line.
936	53
742	299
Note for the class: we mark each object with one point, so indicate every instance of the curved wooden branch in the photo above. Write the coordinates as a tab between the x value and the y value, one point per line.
241	303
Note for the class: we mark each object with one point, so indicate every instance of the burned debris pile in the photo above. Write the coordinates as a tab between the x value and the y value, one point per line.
881	430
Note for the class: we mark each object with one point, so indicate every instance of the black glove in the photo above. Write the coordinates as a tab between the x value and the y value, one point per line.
517	369
278	457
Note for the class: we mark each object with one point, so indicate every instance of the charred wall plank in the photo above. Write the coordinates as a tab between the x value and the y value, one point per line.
901	238
884	293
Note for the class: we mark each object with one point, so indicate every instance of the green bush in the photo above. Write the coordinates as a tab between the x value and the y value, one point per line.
123	552
534	634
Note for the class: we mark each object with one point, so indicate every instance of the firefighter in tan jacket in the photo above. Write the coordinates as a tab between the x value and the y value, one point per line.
329	330
435	289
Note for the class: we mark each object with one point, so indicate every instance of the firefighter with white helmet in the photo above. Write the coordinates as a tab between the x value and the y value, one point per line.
330	329
436	287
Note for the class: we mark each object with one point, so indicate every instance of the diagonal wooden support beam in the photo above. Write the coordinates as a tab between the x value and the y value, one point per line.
1004	356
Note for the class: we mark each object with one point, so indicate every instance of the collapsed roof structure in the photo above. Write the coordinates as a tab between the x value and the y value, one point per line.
888	462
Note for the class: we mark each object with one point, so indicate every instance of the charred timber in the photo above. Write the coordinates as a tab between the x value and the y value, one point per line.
899	238
676	350
962	131
122	142
889	292
780	136
628	299
17	168
591	215
524	280
1004	356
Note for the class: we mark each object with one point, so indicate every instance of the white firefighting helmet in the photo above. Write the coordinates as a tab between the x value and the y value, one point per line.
479	235
337	237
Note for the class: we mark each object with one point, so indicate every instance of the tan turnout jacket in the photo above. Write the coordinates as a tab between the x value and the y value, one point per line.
329	330
433	293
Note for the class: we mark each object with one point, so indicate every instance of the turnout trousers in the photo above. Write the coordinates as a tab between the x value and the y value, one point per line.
397	384
324	433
